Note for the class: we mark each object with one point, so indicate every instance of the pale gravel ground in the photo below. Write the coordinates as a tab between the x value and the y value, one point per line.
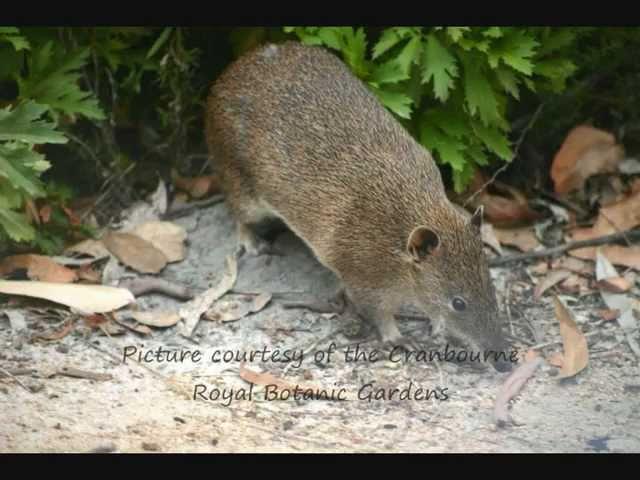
137	409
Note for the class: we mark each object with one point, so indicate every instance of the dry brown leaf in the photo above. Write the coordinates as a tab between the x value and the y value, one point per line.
617	217
523	238
135	252
229	310
89	274
197	187
160	319
510	388
191	311
56	335
90	247
165	236
618	255
585	152
489	237
45	213
574	343
95	320
576	285
530	355
133	326
615	285
38	267
573	264
553	278
539	268
265	378
609	314
87	299
556	359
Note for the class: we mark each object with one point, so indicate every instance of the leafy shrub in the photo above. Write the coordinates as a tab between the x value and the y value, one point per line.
452	86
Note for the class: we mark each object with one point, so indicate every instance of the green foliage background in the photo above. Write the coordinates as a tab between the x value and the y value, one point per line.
80	104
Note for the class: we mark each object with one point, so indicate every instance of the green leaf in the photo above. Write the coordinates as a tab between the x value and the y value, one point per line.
449	150
558	38
164	36
16	225
440	65
509	82
388	72
557	70
354	49
462	178
388	39
480	97
12	36
22	124
15	166
456	33
515	49
53	81
495	140
331	37
398	103
410	54
10	196
493	32
455	124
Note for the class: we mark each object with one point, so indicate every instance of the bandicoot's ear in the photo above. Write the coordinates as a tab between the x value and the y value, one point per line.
422	242
476	218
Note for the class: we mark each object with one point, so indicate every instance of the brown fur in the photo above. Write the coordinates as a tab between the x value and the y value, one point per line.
294	135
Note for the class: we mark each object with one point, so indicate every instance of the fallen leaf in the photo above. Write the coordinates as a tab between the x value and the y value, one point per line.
586	151
142	211
609	314
17	322
576	285
89	274
45	213
229	310
133	326
265	378
574	343
191	311
556	359
615	285
510	388
135	252
90	247
530	355
573	264
197	187
57	335
38	267
86	299
618	301
95	320
553	278
539	268
73	218
523	238
618	255
617	217
158	318
165	236
489	237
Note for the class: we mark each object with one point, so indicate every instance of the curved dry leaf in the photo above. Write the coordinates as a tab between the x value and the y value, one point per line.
553	278
86	299
229	310
191	311
618	255
90	247
489	237
510	388
523	238
160	319
165	236
38	267
575	349
135	252
586	151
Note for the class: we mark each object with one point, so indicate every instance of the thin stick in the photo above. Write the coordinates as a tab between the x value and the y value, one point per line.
533	120
8	374
180	210
629	235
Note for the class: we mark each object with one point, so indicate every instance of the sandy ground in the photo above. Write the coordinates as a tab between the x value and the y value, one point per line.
151	407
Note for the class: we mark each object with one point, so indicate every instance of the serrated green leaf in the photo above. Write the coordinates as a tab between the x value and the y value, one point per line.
456	33
558	38
495	140
16	225
10	197
354	49
12	36
480	97
462	178
454	124
397	102
493	32
515	49
388	40
13	167
440	65
476	152
22	124
331	37
508	81
557	70
53	81
388	72
448	150
409	54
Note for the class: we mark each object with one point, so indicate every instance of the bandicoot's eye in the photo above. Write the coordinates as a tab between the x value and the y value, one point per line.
458	304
